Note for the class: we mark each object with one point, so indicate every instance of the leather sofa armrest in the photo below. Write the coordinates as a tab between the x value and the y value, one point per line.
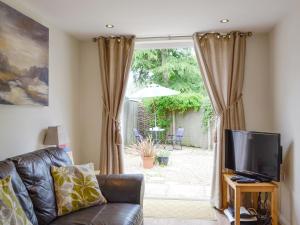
124	188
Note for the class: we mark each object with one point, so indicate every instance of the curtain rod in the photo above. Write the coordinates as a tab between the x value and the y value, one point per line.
170	37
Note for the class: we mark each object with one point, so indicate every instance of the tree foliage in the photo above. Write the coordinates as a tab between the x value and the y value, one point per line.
176	69
173	68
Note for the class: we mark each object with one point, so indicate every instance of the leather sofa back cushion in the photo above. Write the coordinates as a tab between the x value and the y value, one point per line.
34	170
7	168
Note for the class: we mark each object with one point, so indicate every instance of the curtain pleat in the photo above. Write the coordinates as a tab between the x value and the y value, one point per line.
221	60
115	57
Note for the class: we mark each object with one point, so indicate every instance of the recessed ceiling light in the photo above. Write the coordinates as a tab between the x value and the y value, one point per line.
224	21
109	26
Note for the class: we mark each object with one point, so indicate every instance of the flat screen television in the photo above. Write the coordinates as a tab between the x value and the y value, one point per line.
253	154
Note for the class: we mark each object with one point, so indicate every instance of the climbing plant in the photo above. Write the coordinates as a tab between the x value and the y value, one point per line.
181	103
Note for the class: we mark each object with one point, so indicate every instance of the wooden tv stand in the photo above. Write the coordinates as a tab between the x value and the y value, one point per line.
254	188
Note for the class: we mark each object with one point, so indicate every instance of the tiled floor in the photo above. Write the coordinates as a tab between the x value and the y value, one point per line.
180	209
221	220
188	175
152	221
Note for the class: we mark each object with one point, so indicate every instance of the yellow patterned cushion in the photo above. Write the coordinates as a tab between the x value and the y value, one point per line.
11	211
76	187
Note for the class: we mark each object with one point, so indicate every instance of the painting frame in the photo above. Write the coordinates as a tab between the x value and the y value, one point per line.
24	59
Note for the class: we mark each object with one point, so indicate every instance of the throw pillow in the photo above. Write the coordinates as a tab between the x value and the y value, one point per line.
11	211
76	187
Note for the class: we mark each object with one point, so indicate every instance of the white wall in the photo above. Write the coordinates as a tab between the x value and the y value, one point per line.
285	67
90	107
21	127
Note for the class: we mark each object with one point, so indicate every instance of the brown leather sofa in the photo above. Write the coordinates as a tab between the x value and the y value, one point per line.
33	185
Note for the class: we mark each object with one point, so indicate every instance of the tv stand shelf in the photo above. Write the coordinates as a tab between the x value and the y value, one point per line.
252	188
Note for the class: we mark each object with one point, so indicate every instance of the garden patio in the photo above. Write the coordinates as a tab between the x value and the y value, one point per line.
187	175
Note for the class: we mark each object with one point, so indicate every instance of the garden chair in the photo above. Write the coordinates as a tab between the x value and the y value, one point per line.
177	138
138	136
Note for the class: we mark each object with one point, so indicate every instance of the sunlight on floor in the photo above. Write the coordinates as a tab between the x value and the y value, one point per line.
187	176
180	209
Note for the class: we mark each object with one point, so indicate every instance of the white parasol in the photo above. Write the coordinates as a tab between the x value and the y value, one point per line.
151	91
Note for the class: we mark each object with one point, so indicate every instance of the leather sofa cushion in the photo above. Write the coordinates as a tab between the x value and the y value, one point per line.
7	168
122	188
112	214
34	170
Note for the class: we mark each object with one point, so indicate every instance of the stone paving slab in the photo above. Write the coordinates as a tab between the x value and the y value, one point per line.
188	175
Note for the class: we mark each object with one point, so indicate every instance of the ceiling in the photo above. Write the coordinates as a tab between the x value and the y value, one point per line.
85	19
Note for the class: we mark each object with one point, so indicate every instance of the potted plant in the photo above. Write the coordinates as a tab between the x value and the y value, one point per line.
148	152
163	157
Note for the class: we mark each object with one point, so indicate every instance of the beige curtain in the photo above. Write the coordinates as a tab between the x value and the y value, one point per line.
115	56
221	59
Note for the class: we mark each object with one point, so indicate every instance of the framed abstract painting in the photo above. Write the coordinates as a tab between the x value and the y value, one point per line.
24	59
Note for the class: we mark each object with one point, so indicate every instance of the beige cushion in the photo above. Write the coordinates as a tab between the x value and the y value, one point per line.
11	211
76	187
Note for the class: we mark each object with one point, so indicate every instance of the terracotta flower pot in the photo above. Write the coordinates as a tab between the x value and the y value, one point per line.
148	162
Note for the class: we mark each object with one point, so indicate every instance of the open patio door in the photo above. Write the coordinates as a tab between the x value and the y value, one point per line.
168	138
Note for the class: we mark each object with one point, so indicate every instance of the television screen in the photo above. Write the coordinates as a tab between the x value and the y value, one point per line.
253	153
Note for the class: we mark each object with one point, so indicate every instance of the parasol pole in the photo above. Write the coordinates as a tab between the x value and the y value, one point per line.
155	116
174	122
